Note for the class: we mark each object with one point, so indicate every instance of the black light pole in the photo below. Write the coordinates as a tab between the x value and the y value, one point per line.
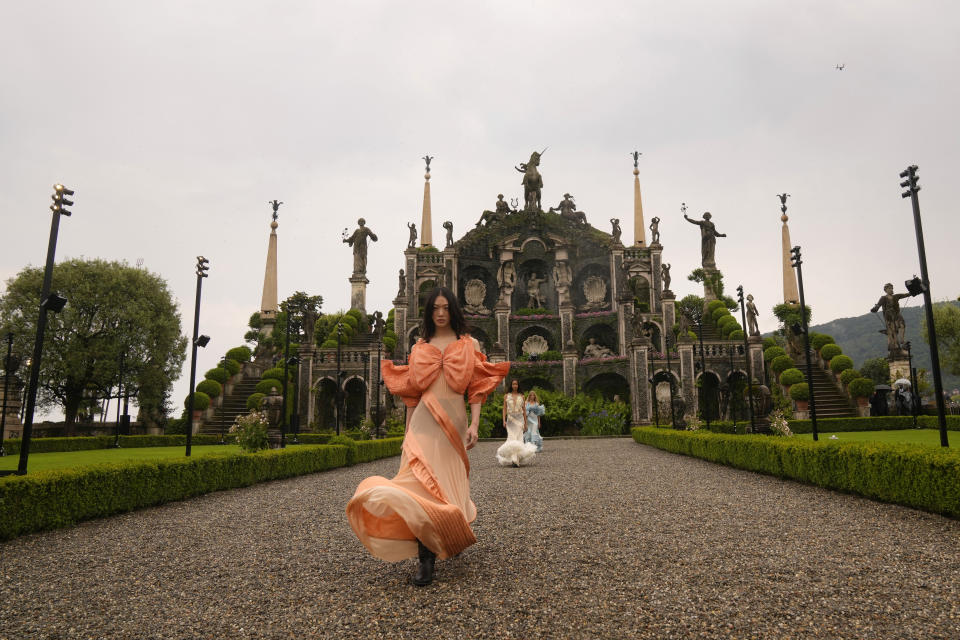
295	416
48	302
116	438
286	377
911	186
746	355
337	395
202	269
797	261
730	390
666	341
223	364
913	385
6	388
379	384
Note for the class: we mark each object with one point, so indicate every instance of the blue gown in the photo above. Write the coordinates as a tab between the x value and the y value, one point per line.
532	434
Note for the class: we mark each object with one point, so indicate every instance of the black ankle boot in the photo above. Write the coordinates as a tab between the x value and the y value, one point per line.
424	574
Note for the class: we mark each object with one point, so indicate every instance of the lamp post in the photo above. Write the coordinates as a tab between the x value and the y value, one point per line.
202	268
730	409
116	438
379	384
48	302
336	397
797	261
746	355
914	392
6	387
911	186
295	416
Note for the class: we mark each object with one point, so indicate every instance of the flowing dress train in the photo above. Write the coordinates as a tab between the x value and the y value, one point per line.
515	452
429	498
532	434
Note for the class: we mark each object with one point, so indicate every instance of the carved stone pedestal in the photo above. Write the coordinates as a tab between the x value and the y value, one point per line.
358	292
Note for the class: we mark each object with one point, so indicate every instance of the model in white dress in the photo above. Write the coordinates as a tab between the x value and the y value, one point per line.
515	452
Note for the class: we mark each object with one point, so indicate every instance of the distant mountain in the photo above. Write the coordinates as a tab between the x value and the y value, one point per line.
860	338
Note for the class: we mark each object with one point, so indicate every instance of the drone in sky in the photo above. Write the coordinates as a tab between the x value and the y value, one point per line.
840	67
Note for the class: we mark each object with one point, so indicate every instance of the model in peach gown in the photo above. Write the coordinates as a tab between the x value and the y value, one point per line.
429	498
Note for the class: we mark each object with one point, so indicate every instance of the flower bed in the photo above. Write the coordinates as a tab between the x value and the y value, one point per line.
595	314
607	359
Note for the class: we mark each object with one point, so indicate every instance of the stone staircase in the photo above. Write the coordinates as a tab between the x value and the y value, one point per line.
830	402
234	404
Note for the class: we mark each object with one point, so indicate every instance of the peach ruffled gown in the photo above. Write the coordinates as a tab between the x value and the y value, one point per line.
429	498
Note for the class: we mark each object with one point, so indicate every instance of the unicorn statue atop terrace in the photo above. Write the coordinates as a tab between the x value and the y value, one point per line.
532	181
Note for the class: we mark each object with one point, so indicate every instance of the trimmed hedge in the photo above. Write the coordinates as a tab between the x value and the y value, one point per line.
200	401
253	402
819	340
830	351
841	363
849	375
232	366
791	376
773	352
920	477
60	498
219	374
800	392
872	423
736	334
210	387
781	364
240	354
86	443
266	384
861	387
276	373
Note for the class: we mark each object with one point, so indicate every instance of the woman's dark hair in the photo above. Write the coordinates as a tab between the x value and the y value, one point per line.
457	322
510	386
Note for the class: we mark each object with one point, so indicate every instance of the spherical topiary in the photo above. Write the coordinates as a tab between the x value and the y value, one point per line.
729	328
210	387
389	343
723	321
350	321
713	305
791	376
266	384
769	342
849	375
829	350
331	344
240	354
217	373
840	363
253	402
818	340
716	314
736	334
276	373
800	392
773	352
356	313
781	364
232	366
861	387
200	401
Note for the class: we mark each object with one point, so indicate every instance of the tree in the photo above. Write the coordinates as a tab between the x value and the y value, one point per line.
877	369
114	312
946	318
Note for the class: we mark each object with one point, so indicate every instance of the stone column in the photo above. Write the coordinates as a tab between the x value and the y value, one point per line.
570	358
899	368
641	403
708	293
12	425
617	281
566	326
657	284
755	348
450	269
426	225
625	313
502	313
305	402
639	231
268	303
400	326
688	378
669	312
358	292
790	292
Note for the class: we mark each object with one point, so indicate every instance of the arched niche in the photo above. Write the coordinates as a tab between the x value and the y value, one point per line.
642	293
477	272
553	343
583	278
325	412
608	385
540	269
603	334
355	399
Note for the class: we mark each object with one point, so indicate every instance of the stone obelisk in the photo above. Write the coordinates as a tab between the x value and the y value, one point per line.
426	226
790	292
268	304
639	231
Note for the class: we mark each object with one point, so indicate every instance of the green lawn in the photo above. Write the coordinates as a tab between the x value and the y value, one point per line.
926	437
44	461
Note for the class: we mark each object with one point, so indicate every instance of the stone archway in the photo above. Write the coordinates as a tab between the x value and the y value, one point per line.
708	394
608	385
737	410
325	413
661	410
538	330
355	401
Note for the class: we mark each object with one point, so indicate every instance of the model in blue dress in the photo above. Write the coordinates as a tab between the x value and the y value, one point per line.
534	410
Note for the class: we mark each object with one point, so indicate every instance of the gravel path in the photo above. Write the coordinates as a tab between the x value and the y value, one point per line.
597	539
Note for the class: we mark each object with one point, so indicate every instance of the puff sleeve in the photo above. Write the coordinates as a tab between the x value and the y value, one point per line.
486	377
397	379
536	410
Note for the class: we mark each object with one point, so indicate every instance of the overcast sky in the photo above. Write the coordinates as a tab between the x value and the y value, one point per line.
176	122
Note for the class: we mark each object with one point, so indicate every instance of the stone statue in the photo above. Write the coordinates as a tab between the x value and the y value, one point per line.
636	158
379	324
655	230
616	230
534	294
665	276
359	243
412	241
561	274
403	285
567	209
783	201
683	325
594	350
276	206
679	412
893	319
502	207
272	404
449	227
532	181
427	159
708	239
751	309
309	321
507	275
